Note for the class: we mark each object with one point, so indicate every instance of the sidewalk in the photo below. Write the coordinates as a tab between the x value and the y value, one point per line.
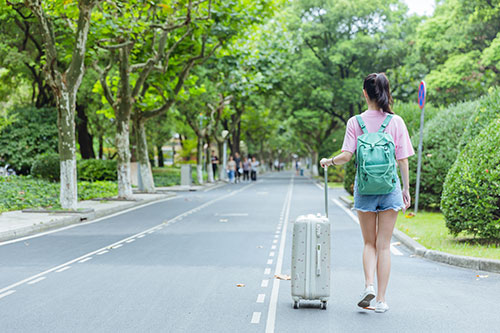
16	224
482	264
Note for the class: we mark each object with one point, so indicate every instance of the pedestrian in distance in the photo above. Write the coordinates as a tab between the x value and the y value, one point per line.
231	169
254	166
381	142
246	169
215	161
239	170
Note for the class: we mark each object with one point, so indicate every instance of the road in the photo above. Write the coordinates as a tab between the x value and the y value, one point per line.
175	266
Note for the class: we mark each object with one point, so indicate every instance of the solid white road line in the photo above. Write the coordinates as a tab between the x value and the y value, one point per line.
102	252
232	214
264	283
119	243
273	303
256	318
261	298
63	269
348	211
10	292
267	271
84	260
85	223
37	280
395	250
140	236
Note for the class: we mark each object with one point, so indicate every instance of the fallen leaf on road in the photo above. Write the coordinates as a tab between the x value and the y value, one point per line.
282	277
409	215
240	285
482	276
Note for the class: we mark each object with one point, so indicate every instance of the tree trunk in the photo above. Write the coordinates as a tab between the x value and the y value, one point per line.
122	127
210	171
314	158
220	146
161	159
146	182
67	149
101	146
85	140
199	161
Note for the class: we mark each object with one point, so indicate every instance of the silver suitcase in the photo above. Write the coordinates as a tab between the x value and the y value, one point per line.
311	257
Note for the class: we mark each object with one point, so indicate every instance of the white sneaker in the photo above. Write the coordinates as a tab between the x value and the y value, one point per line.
366	297
381	307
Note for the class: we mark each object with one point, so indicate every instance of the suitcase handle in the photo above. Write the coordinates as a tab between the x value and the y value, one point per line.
326	191
318	260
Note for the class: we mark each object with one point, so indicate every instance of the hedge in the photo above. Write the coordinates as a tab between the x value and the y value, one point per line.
93	169
440	149
166	176
471	193
19	192
47	166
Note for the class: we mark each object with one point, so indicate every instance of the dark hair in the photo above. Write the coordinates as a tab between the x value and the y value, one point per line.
378	90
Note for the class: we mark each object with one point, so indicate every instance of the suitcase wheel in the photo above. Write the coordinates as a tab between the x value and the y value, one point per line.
323	304
295	304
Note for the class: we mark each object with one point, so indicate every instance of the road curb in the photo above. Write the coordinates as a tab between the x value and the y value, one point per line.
37	228
482	264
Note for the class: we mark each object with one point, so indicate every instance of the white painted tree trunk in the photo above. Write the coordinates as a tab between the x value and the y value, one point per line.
122	146
210	173
69	189
314	158
199	173
146	182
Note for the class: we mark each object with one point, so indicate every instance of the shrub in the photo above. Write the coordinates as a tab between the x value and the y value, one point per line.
487	110
166	176
350	174
97	189
93	170
471	194
32	133
47	166
440	149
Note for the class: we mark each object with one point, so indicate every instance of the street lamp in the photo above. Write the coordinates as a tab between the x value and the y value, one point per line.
224	134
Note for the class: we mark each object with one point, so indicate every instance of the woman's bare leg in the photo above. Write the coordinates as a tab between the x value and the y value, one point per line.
368	223
386	222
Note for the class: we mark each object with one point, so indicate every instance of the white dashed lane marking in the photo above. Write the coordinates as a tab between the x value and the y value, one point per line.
256	318
37	280
102	252
267	271
63	269
264	283
5	294
261	298
84	260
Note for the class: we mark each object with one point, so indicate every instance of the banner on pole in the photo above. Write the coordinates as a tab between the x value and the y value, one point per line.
421	95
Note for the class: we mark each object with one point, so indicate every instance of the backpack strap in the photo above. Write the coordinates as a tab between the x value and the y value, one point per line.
385	123
361	124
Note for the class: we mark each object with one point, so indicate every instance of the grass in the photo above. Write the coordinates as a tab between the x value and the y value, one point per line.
335	185
429	229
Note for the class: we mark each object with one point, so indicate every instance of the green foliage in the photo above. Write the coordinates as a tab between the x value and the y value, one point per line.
93	170
440	149
47	166
487	110
33	132
350	175
471	195
166	176
20	192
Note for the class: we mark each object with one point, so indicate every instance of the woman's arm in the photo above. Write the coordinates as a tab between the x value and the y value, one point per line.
405	175
340	159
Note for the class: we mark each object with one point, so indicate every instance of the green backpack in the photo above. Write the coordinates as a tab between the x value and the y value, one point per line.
376	160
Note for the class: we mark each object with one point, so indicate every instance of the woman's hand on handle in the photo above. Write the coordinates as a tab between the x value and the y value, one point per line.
325	162
406	199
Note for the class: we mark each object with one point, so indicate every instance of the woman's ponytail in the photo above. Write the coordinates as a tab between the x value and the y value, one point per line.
378	90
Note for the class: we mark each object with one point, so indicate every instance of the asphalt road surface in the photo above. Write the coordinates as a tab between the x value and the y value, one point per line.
175	266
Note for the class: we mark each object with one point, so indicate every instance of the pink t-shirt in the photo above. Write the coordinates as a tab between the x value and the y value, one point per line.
373	120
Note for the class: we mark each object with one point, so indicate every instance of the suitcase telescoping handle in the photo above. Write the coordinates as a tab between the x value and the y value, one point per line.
326	191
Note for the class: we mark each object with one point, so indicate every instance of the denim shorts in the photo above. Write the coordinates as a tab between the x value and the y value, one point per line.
378	203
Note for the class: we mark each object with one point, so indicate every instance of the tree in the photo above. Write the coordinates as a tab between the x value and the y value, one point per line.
64	79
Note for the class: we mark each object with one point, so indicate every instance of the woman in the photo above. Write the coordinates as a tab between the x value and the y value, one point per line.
231	169
377	213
